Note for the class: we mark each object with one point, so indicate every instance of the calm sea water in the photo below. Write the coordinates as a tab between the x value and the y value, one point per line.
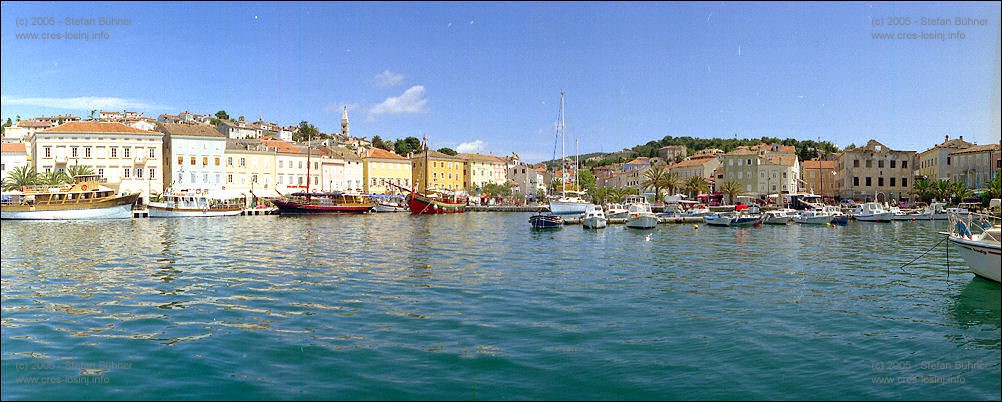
479	306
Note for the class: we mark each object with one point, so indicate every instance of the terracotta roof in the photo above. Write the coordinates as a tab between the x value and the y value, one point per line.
782	160
382	154
816	164
741	151
12	147
692	162
283	147
481	157
189	130
977	148
640	161
96	127
34	124
437	155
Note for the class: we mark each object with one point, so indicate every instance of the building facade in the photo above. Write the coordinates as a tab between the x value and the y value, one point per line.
382	169
441	171
935	163
193	157
875	172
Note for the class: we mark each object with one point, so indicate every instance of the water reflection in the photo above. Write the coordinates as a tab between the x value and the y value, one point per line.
978	306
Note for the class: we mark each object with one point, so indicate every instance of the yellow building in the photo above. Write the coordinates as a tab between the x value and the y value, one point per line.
442	171
482	170
380	168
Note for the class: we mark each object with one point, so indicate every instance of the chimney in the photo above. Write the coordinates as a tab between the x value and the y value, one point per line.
961	138
947	138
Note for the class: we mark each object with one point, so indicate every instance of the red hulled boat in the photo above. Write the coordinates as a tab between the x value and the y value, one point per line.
431	201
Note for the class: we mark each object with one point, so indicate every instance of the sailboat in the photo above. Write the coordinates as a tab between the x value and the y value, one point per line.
571	204
306	202
429	201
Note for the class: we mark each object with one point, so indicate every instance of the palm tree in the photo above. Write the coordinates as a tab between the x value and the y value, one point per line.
79	170
671	181
923	190
695	185
19	177
54	178
942	189
655	178
961	191
731	188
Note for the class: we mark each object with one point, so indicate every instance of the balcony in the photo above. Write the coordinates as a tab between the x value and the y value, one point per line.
140	160
61	159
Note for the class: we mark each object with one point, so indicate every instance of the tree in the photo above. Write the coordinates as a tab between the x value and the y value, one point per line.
93	113
448	151
54	178
942	189
20	176
5	125
732	189
407	145
587	180
306	132
923	190
378	142
215	122
79	170
961	191
655	178
221	115
695	185
241	118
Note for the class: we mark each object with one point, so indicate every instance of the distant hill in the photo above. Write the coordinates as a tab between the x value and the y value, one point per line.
807	149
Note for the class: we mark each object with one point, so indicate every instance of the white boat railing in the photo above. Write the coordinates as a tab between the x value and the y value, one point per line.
974	226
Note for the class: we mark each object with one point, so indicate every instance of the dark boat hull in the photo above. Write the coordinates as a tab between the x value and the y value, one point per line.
546	221
292	207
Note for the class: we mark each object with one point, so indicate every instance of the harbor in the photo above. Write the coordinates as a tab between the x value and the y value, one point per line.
477	306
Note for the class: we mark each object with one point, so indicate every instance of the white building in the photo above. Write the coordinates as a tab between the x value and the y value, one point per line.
128	158
194	157
239	130
13	155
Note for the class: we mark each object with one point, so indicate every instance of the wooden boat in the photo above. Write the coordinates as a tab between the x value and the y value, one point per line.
434	201
185	204
84	199
306	202
323	203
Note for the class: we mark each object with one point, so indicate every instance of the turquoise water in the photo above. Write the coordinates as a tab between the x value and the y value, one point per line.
479	306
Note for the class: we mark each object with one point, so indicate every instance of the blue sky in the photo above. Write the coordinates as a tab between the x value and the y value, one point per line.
487	77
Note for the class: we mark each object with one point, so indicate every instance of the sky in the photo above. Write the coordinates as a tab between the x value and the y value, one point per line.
487	77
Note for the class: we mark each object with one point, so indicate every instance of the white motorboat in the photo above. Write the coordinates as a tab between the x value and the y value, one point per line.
872	212
778	217
193	203
640	215
615	211
814	217
594	218
978	241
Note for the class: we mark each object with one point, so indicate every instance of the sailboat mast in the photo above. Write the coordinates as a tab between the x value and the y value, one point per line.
577	163
426	169
563	161
309	141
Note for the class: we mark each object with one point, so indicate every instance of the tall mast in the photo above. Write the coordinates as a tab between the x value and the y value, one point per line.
309	140
577	163
426	168
563	161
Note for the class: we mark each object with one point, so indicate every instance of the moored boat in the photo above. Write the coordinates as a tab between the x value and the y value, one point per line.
546	221
639	215
978	241
84	199
872	212
323	203
814	217
778	217
594	218
183	204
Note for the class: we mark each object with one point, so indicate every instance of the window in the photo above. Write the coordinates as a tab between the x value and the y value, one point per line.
892	182
904	165
100	172
217	161
139	173
229	162
73	152
243	162
904	181
217	178
229	177
126	172
253	178
153	173
205	161
114	152
300	165
869	182
193	161
947	159
855	163
126	152
893	162
87	152
48	152
281	164
180	160
153	152
192	177
880	181
869	163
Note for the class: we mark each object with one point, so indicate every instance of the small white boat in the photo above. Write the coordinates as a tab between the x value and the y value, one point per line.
872	212
87	198
978	241
615	211
594	218
187	204
640	216
814	217
390	205
778	217
733	218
